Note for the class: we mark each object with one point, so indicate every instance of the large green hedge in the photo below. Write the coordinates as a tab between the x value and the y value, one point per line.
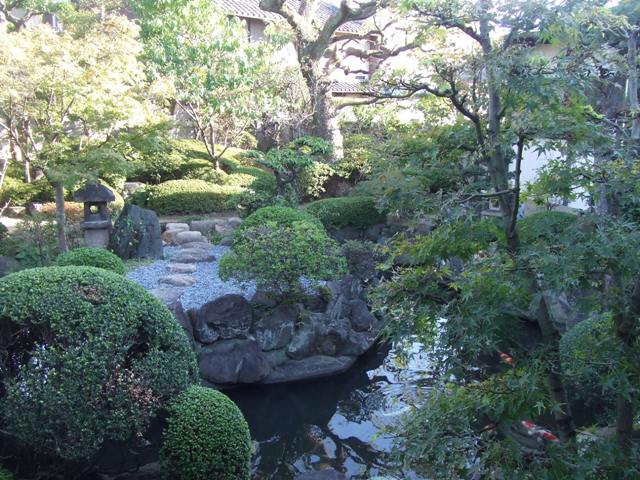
89	356
189	196
359	212
207	438
91	257
282	216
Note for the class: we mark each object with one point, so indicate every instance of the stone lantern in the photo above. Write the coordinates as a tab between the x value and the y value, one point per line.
97	222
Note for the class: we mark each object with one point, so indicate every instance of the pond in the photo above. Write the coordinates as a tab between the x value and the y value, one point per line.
335	422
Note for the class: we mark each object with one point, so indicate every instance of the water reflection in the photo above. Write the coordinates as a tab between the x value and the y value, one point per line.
335	422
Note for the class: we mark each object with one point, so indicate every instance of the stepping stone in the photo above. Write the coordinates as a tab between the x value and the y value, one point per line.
181	268
205	226
179	280
178	227
167	295
196	245
193	255
186	237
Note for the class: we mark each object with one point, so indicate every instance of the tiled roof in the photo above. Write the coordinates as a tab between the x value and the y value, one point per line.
251	9
348	87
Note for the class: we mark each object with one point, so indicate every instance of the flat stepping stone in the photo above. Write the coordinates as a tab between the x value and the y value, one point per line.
186	237
193	255
179	280
181	268
167	295
179	227
196	245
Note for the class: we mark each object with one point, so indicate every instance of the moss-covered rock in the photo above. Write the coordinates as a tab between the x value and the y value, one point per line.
207	437
89	357
91	257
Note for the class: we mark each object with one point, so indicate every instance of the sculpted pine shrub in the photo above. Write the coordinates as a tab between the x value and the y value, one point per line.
276	256
207	437
88	357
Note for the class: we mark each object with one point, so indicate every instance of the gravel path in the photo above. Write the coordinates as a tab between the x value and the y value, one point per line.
208	287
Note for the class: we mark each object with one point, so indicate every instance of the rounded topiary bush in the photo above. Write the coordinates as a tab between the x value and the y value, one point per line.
359	212
280	216
277	255
207	437
89	357
544	226
91	257
189	196
590	355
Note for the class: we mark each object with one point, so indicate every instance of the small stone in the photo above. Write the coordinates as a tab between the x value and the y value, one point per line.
179	280
187	236
181	268
193	255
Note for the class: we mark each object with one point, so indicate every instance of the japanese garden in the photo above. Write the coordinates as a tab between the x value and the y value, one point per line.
319	239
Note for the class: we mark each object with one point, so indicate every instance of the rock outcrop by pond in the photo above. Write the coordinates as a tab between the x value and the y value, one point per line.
239	342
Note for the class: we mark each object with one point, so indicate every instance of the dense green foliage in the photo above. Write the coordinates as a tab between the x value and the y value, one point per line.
188	196
276	255
281	216
360	212
207	437
91	358
91	257
544	226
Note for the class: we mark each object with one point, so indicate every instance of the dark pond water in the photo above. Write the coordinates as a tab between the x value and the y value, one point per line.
336	422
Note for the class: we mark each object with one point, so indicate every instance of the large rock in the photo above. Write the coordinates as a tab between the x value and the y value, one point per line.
362	320
308	369
193	255
233	361
275	329
136	234
229	316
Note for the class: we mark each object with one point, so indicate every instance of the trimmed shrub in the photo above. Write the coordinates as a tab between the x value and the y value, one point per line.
207	437
90	357
544	226
313	179
341	212
589	353
91	257
189	196
276	255
20	193
281	216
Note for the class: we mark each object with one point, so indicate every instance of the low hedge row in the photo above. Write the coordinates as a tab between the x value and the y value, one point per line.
359	212
281	216
186	196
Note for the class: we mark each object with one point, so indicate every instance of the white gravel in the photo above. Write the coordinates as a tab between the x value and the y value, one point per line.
208	287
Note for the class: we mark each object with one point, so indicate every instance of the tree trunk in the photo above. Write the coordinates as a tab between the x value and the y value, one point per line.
60	216
323	121
632	59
